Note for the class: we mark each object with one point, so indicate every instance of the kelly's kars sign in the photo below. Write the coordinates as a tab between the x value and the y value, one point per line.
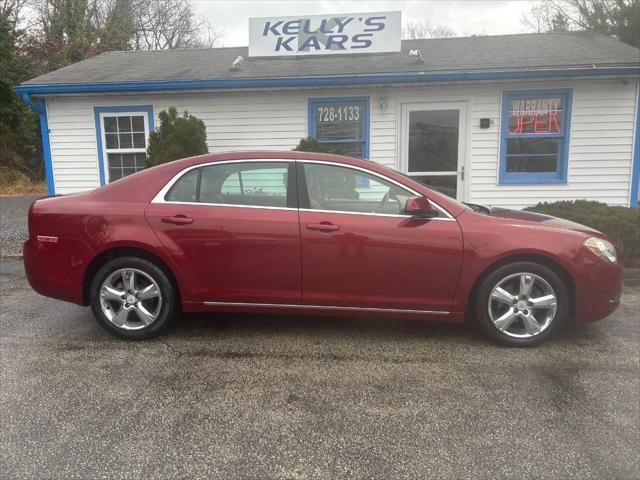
325	34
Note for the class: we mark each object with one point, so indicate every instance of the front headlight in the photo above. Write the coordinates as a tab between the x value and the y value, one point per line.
602	248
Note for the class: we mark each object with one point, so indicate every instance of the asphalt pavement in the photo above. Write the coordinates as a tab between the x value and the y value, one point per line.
13	224
246	396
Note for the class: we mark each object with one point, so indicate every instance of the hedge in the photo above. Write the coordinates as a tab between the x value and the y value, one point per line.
621	223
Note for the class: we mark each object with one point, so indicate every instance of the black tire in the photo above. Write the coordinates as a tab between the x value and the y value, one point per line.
481	303
166	311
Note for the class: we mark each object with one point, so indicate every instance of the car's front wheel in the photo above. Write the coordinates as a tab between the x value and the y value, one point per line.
521	304
132	298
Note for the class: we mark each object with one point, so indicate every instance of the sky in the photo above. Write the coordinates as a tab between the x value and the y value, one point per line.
463	17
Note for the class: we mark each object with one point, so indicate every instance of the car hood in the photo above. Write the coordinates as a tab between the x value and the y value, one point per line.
540	220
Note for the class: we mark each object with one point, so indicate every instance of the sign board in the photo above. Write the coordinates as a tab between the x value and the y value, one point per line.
325	34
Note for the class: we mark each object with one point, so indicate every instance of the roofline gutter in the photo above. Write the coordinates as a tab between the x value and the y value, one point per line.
41	107
322	80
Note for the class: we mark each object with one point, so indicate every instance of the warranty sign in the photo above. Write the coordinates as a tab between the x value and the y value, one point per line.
325	34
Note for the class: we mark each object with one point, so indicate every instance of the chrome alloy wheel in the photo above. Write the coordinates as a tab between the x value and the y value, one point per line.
522	305
130	299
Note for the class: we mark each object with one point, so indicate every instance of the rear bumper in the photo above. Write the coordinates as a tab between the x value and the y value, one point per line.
56	269
598	288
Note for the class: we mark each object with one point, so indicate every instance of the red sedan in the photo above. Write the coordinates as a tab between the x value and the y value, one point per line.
292	232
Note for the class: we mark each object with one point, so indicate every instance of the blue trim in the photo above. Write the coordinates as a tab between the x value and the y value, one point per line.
41	108
560	175
323	80
46	148
148	109
635	174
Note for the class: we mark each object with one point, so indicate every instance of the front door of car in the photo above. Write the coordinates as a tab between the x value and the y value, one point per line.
233	230
360	250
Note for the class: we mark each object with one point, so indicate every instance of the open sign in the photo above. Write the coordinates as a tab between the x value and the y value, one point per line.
535	115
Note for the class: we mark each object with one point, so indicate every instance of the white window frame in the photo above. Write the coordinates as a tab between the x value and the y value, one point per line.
106	151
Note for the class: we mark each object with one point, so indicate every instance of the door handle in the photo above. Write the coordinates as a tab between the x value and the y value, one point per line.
323	227
177	220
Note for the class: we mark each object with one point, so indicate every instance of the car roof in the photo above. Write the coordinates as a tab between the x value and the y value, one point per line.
269	154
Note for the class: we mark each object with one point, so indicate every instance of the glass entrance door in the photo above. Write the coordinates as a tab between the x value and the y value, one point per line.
433	145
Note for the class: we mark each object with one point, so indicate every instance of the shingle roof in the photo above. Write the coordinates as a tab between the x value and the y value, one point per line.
503	52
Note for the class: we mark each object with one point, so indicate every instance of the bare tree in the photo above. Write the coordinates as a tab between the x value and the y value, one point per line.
209	37
63	32
618	18
13	11
539	19
417	30
167	24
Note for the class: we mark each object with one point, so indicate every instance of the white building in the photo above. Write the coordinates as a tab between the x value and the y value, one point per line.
498	120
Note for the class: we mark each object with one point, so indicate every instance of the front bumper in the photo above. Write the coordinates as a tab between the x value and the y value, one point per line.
598	288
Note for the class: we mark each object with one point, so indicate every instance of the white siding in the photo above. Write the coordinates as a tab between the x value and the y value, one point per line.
600	146
600	151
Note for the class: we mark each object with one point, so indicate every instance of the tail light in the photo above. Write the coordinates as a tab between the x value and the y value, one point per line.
47	239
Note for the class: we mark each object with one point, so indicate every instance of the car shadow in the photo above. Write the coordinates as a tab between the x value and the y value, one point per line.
203	325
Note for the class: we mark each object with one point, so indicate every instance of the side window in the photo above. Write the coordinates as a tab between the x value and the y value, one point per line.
252	183
231	185
345	189
185	189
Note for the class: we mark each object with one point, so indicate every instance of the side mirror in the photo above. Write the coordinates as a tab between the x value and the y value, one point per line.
419	207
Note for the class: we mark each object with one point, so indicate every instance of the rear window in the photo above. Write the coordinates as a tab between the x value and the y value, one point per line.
185	189
262	184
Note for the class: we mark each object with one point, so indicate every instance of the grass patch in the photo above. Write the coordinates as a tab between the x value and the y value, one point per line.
16	183
621	223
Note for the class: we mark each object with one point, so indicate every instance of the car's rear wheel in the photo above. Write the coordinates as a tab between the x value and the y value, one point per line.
521	304
132	298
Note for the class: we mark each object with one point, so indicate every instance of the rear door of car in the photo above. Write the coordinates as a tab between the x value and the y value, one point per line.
232	227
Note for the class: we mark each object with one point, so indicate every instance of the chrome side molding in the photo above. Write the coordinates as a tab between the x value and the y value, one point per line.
325	307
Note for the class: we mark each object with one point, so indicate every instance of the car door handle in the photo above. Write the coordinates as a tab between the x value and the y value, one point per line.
178	220
323	227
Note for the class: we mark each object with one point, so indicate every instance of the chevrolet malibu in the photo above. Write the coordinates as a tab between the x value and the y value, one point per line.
305	233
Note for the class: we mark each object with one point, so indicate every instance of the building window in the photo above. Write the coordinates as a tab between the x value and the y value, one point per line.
535	137
342	124
123	134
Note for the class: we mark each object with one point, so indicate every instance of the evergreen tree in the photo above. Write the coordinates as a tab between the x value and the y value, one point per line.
19	139
176	138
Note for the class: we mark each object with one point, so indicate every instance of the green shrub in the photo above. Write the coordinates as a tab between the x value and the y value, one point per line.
176	138
310	144
621	223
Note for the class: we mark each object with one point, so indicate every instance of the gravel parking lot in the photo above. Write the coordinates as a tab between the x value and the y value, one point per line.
243	396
